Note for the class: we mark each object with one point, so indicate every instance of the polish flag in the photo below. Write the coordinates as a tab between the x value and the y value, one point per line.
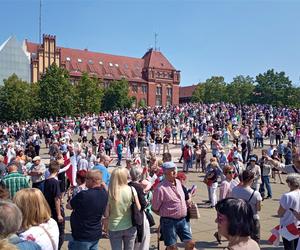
289	232
72	170
275	237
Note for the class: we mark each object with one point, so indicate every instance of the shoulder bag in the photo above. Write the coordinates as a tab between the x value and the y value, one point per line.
136	215
194	211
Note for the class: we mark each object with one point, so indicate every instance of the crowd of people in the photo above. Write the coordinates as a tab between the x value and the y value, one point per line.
238	148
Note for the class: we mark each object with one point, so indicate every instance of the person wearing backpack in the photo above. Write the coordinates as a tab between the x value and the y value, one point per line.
245	192
108	146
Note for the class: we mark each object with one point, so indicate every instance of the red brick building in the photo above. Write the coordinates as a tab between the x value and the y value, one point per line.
186	93
152	78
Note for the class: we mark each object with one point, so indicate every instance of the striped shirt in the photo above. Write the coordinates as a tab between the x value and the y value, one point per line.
169	200
14	182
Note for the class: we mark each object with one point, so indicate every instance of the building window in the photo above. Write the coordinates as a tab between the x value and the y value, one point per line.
134	88
158	96
169	96
144	89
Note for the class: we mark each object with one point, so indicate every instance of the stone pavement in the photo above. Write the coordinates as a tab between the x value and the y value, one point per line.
204	228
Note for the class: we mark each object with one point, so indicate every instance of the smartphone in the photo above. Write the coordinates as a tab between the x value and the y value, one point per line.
292	209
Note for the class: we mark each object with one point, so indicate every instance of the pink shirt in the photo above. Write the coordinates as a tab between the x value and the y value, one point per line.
226	188
169	200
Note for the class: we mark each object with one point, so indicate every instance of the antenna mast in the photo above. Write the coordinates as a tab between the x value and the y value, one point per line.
155	40
40	23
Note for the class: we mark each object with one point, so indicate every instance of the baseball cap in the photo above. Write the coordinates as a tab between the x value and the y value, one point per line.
168	165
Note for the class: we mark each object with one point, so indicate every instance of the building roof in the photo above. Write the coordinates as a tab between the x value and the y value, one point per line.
106	65
155	59
186	91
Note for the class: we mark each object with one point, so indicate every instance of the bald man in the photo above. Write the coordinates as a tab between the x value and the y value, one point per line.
102	166
88	207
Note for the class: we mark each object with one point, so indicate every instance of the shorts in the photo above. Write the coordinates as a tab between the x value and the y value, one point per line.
170	228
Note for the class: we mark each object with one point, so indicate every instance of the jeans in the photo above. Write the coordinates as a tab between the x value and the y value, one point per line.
266	181
121	238
170	228
83	245
119	159
107	151
187	164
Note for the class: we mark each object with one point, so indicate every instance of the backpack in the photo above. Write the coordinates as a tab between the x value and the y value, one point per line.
108	144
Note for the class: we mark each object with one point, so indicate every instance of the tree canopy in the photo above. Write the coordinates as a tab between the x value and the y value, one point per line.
15	100
56	93
88	95
116	96
271	87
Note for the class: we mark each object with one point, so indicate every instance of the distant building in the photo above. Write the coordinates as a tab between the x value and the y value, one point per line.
14	59
186	93
152	78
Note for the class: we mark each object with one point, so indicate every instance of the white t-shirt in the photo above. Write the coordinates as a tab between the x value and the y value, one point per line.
39	236
287	201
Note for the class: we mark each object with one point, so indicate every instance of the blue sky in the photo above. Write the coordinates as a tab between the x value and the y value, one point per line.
200	38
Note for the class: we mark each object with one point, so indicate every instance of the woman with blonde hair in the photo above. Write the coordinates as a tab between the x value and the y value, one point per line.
37	224
122	232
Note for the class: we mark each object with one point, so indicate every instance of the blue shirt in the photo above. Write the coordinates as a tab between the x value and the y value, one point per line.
23	244
105	173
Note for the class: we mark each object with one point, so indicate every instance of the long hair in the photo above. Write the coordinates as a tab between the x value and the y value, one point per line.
118	178
34	207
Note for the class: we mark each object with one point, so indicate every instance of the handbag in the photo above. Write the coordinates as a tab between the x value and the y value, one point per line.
136	215
150	218
207	181
194	211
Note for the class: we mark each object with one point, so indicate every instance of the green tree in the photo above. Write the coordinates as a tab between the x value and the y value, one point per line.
294	97
142	103
215	90
56	93
88	95
240	90
116	96
198	94
15	100
272	88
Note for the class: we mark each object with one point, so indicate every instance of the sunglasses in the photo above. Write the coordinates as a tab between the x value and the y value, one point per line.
230	172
